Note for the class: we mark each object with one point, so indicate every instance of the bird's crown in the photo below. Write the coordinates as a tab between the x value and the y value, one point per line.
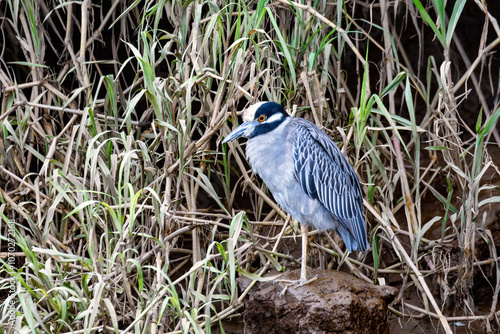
259	118
264	111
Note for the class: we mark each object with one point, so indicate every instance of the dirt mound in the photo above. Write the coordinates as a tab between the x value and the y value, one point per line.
334	303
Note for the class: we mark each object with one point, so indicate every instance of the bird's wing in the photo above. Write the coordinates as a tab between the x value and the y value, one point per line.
325	174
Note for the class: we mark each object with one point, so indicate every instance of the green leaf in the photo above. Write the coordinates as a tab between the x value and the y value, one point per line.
425	228
394	83
455	16
437	148
27	64
490	123
441	198
479	120
284	47
207	186
427	19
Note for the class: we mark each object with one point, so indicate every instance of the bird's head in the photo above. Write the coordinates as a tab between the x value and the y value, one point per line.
258	119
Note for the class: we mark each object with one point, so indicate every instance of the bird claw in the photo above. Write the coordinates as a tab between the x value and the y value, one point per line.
296	283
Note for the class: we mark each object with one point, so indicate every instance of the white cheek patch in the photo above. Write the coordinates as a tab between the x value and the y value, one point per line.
249	114
275	117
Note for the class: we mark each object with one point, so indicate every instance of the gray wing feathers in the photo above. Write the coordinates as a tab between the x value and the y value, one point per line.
324	173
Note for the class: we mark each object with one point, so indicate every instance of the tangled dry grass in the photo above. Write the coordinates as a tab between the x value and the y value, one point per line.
121	211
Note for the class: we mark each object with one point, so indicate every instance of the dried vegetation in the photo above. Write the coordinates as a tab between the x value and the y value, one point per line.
126	212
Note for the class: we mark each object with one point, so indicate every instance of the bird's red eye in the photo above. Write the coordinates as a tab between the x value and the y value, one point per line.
261	118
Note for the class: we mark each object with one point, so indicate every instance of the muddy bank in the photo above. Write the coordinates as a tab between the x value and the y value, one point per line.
334	303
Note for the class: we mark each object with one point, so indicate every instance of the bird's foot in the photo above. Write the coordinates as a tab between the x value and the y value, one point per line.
296	283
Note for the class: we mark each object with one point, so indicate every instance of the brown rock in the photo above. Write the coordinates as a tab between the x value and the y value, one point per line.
334	303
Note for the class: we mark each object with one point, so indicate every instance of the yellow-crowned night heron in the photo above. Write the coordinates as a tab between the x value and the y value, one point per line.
306	173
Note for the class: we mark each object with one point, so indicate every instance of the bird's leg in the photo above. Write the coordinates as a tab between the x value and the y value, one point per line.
304	230
303	277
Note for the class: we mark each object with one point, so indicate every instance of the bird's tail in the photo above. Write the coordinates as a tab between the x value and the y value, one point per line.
356	239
